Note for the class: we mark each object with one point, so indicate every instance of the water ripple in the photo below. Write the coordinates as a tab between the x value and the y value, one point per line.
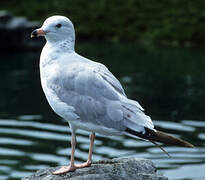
46	144
194	123
7	151
34	134
173	126
15	141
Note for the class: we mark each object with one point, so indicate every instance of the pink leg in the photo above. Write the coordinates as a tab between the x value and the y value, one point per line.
89	161
72	166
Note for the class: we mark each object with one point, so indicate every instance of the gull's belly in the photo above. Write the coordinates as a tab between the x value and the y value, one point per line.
95	128
67	112
50	82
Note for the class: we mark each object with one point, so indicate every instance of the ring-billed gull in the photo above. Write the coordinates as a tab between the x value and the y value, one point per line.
86	94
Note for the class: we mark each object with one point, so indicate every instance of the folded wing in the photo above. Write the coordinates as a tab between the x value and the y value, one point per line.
98	98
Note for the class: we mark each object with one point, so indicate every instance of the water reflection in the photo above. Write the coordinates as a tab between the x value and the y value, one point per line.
26	147
167	91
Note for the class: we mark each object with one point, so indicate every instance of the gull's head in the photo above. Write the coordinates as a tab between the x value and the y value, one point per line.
56	29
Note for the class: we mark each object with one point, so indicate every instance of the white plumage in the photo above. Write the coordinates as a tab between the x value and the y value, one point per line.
81	91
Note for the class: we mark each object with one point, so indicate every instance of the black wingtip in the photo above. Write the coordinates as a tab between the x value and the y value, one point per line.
159	136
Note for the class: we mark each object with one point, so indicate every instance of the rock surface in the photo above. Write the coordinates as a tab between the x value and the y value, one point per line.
114	169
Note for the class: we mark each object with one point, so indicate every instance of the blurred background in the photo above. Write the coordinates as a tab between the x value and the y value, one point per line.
155	49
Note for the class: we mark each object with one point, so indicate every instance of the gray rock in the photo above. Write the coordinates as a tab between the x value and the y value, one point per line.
114	169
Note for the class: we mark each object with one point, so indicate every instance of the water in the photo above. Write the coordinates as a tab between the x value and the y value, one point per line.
168	83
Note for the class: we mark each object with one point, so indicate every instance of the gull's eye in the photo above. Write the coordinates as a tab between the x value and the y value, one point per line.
58	25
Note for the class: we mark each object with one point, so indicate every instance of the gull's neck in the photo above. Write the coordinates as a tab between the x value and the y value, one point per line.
66	45
52	50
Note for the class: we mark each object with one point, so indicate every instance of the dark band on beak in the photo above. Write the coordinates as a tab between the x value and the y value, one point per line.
38	32
34	33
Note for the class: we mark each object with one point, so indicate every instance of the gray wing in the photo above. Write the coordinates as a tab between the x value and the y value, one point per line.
113	81
109	77
94	99
99	100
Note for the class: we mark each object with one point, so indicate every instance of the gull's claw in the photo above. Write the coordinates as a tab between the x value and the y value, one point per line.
83	165
65	169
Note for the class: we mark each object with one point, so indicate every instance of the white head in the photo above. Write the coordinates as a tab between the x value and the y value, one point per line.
56	29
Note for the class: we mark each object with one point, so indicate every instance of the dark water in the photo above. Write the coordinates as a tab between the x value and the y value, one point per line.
168	83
